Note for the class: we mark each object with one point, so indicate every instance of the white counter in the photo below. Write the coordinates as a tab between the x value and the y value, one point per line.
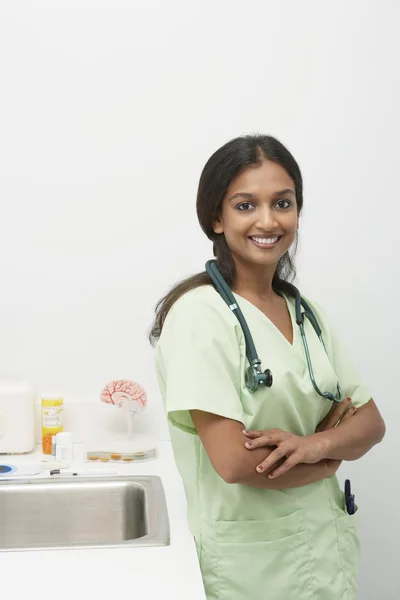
170	572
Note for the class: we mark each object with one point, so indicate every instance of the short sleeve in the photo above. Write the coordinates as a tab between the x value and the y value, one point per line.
198	359
349	379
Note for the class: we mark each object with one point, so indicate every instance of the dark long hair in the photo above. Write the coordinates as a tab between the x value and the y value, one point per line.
221	168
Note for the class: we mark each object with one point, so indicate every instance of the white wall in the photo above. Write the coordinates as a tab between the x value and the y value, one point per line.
108	112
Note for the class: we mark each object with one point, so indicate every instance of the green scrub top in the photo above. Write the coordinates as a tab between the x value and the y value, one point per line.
291	544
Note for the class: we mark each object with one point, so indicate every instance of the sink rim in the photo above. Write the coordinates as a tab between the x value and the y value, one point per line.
156	510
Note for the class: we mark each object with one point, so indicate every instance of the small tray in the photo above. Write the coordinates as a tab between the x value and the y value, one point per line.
94	456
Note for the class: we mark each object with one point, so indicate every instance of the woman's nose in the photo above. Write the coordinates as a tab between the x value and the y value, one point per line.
266	219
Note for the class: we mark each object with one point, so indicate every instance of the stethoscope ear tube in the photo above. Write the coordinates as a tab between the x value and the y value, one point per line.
254	376
219	283
230	300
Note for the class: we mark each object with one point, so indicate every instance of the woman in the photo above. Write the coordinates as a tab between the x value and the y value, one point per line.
264	504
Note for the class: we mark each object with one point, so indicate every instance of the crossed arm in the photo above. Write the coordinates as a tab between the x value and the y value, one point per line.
224	442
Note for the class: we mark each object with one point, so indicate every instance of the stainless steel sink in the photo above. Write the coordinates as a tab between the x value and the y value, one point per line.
83	512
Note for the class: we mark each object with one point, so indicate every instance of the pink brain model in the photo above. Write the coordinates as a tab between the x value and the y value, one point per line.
122	391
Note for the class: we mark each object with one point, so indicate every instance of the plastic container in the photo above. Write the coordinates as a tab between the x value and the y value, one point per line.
52	419
64	448
122	457
17	417
121	451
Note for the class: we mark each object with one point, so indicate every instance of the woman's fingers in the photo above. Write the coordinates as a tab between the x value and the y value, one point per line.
339	408
267	438
349	413
274	457
263	440
289	463
252	434
337	411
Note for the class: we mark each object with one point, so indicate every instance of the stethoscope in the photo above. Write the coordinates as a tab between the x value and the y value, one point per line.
255	377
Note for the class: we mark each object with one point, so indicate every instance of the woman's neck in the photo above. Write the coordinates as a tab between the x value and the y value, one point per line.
255	283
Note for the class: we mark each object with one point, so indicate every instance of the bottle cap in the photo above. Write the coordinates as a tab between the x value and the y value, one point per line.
49	395
64	438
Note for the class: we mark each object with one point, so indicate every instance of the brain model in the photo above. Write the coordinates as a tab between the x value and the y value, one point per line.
123	392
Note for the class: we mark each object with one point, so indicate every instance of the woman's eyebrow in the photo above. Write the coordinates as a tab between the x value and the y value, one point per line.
249	196
284	192
246	195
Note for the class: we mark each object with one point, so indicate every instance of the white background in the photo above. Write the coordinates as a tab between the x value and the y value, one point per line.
108	112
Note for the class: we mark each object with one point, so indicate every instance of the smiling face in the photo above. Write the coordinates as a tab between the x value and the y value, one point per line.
259	216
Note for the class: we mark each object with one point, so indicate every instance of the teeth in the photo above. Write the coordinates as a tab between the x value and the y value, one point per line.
265	240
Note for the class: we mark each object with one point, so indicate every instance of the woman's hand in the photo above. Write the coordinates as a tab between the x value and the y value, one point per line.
292	449
339	412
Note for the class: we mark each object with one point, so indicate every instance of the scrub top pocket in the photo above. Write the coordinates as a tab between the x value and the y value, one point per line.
349	548
263	559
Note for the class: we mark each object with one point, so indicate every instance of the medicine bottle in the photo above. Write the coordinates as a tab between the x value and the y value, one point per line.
64	448
52	419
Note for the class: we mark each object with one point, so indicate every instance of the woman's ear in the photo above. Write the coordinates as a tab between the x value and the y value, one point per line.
218	227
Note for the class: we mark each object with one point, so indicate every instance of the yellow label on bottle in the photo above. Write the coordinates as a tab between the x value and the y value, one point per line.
52	416
52	422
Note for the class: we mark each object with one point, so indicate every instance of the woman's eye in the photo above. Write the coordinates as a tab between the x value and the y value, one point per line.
284	203
245	206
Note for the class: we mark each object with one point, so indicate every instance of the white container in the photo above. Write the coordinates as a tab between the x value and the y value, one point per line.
64	448
17	417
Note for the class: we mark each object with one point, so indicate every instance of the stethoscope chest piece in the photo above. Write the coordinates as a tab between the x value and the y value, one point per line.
255	378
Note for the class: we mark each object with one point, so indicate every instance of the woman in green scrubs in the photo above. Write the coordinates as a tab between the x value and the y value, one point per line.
259	469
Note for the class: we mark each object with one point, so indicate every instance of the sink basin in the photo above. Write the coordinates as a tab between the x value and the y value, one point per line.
83	512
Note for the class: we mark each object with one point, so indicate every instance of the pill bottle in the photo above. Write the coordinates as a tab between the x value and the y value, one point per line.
52	419
64	448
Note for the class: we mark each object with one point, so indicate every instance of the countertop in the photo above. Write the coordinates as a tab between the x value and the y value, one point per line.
146	573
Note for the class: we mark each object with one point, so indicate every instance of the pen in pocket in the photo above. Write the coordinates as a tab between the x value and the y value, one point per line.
349	498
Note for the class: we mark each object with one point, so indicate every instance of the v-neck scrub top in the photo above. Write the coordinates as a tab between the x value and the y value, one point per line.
290	544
